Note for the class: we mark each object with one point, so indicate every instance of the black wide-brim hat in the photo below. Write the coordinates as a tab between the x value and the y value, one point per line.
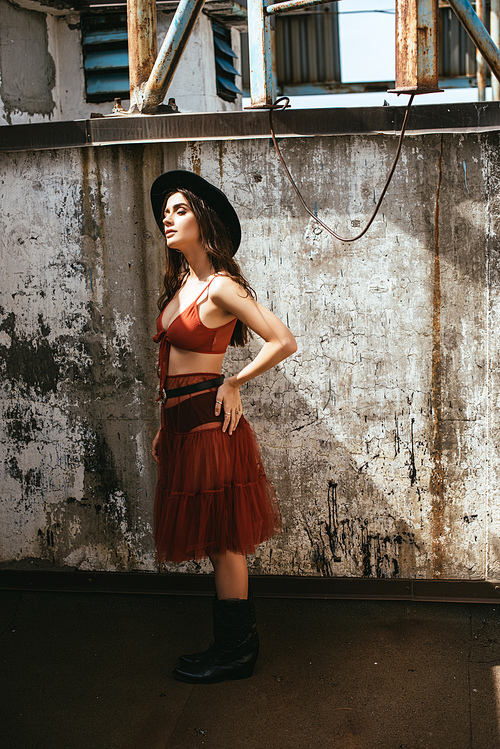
178	179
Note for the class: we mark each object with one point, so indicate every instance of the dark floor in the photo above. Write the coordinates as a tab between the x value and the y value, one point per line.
92	671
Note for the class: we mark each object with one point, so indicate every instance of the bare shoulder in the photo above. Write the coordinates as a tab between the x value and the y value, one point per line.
224	287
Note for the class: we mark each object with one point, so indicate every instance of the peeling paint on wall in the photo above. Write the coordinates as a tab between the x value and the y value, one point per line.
27	70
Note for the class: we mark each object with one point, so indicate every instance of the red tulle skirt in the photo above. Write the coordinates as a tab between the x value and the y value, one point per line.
212	494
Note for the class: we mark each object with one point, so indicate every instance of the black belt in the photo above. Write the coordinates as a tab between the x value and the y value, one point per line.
196	387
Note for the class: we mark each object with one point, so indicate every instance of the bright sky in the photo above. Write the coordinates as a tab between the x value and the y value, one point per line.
367	50
366	40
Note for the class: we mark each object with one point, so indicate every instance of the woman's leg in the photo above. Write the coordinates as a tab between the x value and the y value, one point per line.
236	647
231	575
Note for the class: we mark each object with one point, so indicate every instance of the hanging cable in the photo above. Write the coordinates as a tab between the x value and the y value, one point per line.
285	99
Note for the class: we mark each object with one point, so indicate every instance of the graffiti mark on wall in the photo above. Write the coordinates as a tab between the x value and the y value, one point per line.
373	553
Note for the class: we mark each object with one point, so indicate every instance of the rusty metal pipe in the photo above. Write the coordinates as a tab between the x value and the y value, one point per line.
260	53
142	45
482	68
495	35
292	5
170	53
477	32
416	47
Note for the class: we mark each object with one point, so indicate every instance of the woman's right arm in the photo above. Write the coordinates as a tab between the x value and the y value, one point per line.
155	450
279	343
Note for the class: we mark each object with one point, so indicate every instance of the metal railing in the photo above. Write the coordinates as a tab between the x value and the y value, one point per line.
416	46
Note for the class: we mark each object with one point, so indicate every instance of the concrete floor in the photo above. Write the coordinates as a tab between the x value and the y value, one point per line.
92	671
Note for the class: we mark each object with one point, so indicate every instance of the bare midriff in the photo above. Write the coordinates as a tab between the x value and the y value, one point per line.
191	362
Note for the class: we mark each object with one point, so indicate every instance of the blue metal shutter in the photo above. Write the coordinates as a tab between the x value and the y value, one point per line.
225	71
105	56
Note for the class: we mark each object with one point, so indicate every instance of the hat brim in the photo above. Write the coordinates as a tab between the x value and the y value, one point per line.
215	198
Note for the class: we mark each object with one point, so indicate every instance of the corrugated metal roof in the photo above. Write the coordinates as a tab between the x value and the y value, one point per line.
308	47
457	53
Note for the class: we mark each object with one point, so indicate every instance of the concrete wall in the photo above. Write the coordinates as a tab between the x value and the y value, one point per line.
41	66
380	434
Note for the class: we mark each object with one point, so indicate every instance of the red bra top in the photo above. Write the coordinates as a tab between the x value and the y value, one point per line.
187	332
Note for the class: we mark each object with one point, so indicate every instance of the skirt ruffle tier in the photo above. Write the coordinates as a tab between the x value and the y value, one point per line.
212	495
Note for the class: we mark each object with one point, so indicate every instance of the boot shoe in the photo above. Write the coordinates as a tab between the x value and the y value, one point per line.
197	657
236	647
213	669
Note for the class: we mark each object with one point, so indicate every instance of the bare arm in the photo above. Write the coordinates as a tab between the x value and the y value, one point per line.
279	343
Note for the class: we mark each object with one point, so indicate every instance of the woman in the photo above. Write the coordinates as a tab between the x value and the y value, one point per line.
213	498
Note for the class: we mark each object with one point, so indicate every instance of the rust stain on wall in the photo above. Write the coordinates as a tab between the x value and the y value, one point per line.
195	157
221	162
436	483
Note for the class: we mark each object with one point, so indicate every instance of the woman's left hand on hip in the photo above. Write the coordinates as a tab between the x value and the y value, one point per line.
228	400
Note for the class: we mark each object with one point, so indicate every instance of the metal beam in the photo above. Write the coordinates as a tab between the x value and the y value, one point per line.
482	68
416	47
477	32
259	47
142	45
172	48
495	35
292	5
471	117
273	586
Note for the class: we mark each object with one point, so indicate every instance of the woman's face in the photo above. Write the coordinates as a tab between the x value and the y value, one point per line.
181	228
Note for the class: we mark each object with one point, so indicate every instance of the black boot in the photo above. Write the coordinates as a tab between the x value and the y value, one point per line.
196	657
236	647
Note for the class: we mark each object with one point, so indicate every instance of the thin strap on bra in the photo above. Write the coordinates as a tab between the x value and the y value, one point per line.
193	304
201	294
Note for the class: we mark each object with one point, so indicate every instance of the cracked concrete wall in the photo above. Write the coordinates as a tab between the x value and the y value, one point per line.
41	66
379	435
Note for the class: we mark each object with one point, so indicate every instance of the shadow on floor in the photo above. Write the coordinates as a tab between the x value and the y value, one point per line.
92	671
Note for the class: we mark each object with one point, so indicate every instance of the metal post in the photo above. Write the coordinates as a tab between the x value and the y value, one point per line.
478	34
495	35
416	47
172	48
142	46
259	40
481	67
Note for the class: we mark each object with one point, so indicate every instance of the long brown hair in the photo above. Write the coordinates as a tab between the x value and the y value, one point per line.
218	246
